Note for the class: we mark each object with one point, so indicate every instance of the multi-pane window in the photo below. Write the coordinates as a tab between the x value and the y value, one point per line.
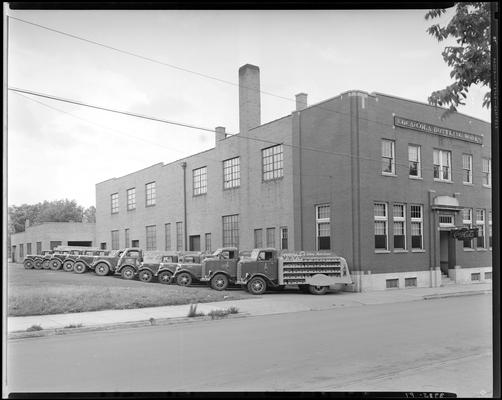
208	241
284	238
28	248
231	230
179	236
467	222
490	229
131	199
114	199
380	212
480	224
388	160
467	168
487	171
442	165
232	173
39	246
150	194
115	240
323	227
272	162
416	219
151	237
167	236
127	237
410	282
199	180
414	161
398	215
258	238
270	237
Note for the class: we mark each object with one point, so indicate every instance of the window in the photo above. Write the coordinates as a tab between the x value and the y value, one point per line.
467	168
410	282
476	276
388	163
127	238
208	241
270	237
272	162
380	211
134	243
55	244
414	161
232	173
150	193
487	171
490	229
151	237
199	181
21	250
231	231
391	283
488	275
284	238
480	224
115	240
39	247
167	236
115	202
102	246
28	248
467	223
131	199
399	226
179	236
442	165
258	238
323	227
446	220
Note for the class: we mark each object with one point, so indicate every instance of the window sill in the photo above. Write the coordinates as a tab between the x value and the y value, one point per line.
150	205
442	180
401	251
481	249
418	251
132	209
231	188
417	178
382	252
468	183
199	195
487	186
272	180
468	249
389	174
114	213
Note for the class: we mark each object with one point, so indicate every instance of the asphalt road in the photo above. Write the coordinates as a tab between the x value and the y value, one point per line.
434	345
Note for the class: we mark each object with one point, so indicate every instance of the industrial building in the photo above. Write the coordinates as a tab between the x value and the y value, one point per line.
380	180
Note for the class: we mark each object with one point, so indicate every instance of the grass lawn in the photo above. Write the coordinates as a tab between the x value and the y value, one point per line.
41	292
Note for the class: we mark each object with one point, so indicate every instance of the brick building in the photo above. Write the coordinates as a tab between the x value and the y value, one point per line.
378	179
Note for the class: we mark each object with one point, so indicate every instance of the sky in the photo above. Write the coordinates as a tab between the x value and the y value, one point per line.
57	150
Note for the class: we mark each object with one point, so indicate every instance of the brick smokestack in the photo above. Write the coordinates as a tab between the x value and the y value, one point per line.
301	101
219	134
249	98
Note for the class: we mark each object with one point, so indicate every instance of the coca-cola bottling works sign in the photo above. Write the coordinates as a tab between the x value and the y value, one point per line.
437	130
464	233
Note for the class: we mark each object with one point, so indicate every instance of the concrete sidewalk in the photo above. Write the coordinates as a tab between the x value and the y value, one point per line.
270	303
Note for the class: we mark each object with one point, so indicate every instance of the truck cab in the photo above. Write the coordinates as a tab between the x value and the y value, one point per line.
220	268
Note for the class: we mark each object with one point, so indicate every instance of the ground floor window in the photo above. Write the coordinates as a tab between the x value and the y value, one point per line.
39	247
399	221
480	224
115	240
151	237
467	223
475	276
270	237
167	235
21	250
323	227
208	241
258	238
410	282
230	230
28	248
380	216
179	236
127	237
391	283
55	243
284	238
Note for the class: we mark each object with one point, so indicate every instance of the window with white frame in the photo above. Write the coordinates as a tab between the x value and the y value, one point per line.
417	223
388	160
380	215
150	194
151	237
414	161
323	227
258	238
232	173
480	224
467	168
467	223
442	165
284	238
127	237
167	236
199	181
230	230
272	162
131	199
114	199
115	240
207	237
487	171
179	236
270	237
398	214
490	229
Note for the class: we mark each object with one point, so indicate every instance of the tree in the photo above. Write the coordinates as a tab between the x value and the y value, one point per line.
470	58
89	214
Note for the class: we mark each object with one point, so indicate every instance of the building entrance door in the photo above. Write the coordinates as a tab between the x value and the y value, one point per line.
447	254
195	243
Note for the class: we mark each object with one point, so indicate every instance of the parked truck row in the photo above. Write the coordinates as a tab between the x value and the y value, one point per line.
255	271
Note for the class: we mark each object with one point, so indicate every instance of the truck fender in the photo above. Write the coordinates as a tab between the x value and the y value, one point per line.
269	282
213	273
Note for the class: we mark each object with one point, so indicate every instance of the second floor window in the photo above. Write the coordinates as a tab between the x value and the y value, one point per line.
131	199
487	172
231	173
199	181
442	165
467	168
388	162
150	193
115	203
272	163
414	161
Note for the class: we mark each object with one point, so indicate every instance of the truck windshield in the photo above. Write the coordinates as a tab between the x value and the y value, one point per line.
216	252
254	254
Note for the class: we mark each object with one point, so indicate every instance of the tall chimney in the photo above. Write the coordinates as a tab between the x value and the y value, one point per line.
249	98
301	101
219	134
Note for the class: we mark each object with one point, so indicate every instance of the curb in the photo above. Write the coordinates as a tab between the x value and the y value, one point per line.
120	325
455	294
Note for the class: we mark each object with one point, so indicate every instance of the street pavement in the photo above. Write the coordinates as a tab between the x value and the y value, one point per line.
438	345
289	301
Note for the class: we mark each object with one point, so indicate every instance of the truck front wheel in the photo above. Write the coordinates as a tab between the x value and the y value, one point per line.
28	264
318	289
165	277
68	266
219	282
37	264
146	276
184	279
102	269
257	285
79	267
127	273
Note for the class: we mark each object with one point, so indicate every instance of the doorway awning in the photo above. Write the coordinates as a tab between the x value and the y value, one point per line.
446	203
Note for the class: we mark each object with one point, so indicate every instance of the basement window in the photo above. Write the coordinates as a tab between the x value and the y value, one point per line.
392	283
488	275
476	276
410	282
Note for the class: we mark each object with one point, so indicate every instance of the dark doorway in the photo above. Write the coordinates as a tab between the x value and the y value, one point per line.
195	243
80	243
447	254
134	243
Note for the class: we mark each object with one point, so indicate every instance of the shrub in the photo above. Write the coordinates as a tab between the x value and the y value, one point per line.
216	314
73	326
152	321
193	311
34	328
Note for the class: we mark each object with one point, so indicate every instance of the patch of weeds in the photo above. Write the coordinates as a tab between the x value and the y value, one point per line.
152	321
233	310
34	328
73	326
217	314
193	311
